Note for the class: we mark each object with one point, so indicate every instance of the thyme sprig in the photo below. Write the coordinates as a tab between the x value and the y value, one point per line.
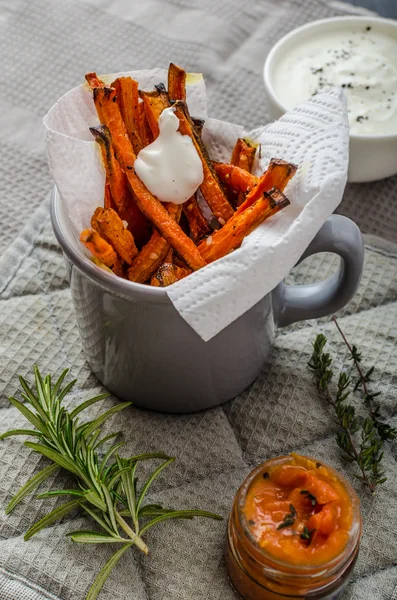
106	488
385	431
368	454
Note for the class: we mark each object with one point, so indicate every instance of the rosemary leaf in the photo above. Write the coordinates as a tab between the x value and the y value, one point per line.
106	485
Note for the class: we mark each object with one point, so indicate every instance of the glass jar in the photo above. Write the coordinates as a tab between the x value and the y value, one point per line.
257	575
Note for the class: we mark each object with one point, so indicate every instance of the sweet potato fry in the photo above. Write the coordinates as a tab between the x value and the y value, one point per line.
108	223
197	223
176	83
154	252
235	177
242	156
147	203
122	198
108	200
211	187
278	173
143	125
128	100
155	102
94	81
116	177
168	274
95	84
102	250
240	225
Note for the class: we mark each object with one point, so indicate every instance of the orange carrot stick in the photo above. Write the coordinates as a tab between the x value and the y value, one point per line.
278	174
128	100
102	250
153	253
211	187
235	177
119	189
242	156
154	103
108	223
168	274
147	203
240	225
198	224
176	83
143	125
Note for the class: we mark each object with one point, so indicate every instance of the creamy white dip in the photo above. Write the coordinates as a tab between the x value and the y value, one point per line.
362	61
170	167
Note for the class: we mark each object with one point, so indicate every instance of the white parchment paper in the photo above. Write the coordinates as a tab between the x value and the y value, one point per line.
315	136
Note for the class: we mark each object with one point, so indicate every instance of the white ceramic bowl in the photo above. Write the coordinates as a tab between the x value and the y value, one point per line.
372	157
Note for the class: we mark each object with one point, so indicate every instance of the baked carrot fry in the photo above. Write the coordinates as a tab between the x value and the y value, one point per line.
211	187
120	192
240	225
235	177
147	203
170	256
101	249
108	200
116	177
143	125
278	173
128	100
176	83
108	223
95	83
168	274
198	224
154	103
153	253
242	156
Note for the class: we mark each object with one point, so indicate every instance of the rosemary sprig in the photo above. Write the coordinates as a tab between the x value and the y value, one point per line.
368	456
106	484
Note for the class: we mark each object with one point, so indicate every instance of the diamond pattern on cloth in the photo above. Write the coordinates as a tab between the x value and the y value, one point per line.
46	47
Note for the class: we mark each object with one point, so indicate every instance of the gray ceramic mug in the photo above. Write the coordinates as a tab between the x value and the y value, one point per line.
142	350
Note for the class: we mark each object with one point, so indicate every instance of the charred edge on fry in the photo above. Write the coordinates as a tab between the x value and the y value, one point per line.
291	167
276	198
183	106
198	125
160	87
102	136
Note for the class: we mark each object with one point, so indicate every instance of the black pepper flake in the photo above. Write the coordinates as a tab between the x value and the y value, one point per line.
367	87
315	71
368	28
318	465
343	85
114	98
129	167
266	474
251	522
360	118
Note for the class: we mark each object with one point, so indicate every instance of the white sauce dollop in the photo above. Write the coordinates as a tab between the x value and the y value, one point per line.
170	167
362	61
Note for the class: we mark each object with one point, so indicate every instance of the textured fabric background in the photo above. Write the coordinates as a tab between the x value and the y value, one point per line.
46	47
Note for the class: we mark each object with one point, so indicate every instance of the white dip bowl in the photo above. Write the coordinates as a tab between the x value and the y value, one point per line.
373	154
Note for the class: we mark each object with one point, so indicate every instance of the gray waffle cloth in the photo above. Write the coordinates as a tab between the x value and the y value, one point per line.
45	49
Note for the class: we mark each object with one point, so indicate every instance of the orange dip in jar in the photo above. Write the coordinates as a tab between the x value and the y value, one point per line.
294	531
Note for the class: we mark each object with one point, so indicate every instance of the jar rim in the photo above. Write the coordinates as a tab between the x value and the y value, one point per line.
302	570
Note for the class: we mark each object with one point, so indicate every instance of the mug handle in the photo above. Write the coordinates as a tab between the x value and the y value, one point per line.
294	303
